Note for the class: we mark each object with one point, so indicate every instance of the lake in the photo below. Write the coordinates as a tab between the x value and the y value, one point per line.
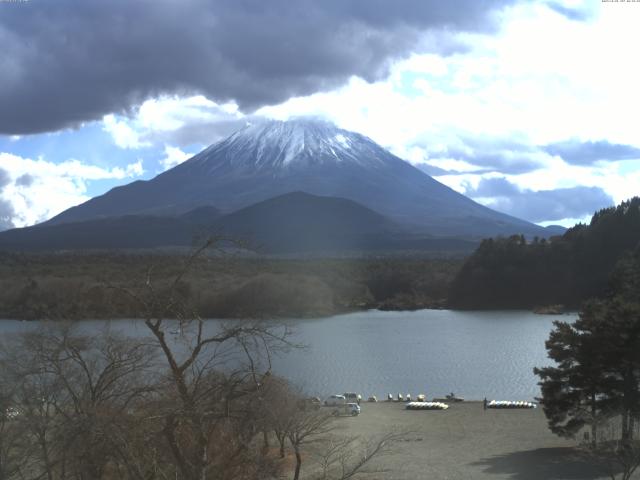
474	354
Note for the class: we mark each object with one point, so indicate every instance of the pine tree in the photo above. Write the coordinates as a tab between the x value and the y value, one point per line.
597	371
572	391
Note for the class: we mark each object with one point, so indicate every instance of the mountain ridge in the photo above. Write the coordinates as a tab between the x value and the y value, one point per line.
292	223
273	158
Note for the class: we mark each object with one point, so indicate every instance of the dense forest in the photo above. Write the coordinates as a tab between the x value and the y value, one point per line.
76	285
566	270
512	272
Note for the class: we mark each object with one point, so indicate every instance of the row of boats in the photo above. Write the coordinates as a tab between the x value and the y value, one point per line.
420	398
437	405
421	402
510	404
426	406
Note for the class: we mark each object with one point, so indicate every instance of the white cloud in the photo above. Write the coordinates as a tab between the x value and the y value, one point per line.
453	164
567	222
543	78
613	178
193	120
123	135
51	187
172	113
174	156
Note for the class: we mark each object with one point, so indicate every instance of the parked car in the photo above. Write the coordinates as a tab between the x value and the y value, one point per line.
352	409
310	403
335	400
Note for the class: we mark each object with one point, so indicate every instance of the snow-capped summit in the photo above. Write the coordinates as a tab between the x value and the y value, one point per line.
273	158
297	143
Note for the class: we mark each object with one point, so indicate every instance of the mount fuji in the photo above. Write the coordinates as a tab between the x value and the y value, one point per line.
274	158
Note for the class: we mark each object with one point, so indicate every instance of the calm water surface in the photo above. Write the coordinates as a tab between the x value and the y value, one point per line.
474	354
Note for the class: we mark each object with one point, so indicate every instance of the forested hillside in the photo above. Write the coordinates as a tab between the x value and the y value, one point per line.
516	273
89	285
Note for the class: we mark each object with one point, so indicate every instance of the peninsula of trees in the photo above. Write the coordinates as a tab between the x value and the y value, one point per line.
566	270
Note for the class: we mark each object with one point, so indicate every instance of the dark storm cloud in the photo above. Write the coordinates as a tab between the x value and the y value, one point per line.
494	187
68	61
5	179
543	205
587	153
488	154
505	161
24	180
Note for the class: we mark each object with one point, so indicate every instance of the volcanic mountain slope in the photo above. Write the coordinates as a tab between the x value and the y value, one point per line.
298	222
272	158
289	224
127	231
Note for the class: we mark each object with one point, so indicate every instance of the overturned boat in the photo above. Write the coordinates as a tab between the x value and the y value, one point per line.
510	404
426	406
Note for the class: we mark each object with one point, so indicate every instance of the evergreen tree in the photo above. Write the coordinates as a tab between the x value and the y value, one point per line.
597	371
568	269
572	390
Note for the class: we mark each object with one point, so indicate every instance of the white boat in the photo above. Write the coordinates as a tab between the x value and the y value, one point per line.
498	404
427	406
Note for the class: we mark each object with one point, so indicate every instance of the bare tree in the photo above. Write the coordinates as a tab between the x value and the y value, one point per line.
214	374
14	452
307	427
347	457
190	399
280	404
74	394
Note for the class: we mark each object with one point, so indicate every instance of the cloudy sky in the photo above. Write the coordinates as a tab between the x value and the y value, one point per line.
529	107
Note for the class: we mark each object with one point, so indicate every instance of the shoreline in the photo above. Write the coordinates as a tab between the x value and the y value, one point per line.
307	316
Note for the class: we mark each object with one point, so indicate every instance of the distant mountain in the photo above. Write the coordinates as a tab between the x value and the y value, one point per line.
269	159
298	222
128	231
555	230
292	223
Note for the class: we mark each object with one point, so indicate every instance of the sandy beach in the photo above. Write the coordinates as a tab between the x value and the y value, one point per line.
467	442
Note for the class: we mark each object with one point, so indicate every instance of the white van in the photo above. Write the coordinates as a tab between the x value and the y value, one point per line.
353	397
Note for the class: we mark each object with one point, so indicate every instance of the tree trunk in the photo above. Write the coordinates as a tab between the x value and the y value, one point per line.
625	426
45	453
296	474
203	473
594	422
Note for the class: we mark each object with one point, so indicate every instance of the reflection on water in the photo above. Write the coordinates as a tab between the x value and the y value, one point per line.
474	354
